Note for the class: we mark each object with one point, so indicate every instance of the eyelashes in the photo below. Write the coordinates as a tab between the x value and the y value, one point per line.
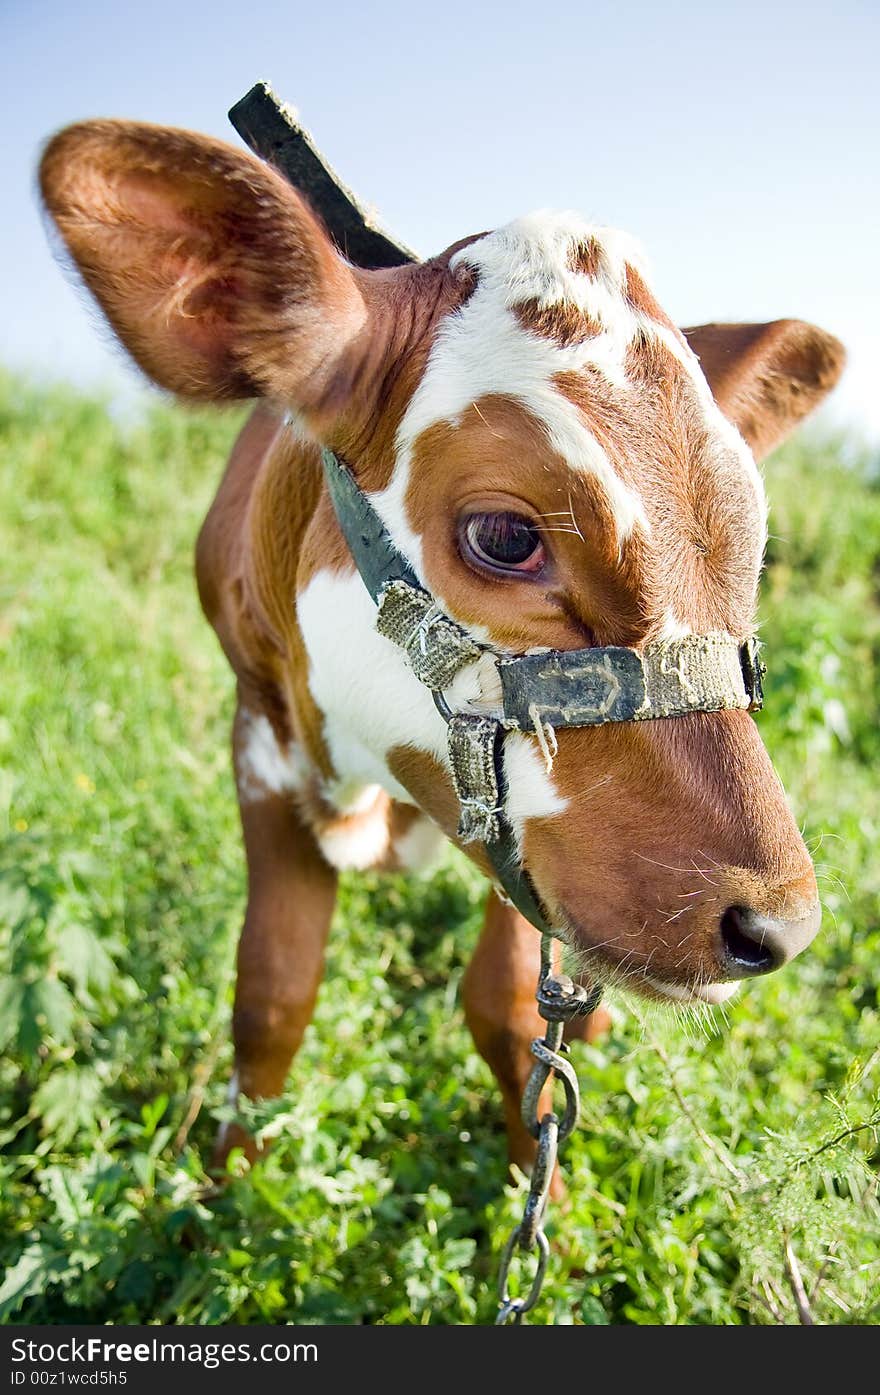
505	543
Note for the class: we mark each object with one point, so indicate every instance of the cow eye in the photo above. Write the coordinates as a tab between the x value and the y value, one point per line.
504	542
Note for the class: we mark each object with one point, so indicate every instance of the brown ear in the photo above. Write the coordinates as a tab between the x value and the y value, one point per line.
210	268
765	378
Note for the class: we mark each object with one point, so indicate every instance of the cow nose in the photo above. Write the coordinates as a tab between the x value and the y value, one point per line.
753	943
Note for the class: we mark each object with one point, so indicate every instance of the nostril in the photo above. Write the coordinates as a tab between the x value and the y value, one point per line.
747	946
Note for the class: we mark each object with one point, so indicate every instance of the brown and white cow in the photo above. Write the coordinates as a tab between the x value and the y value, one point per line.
561	467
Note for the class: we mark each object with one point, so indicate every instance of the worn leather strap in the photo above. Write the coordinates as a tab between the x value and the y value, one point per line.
374	554
668	678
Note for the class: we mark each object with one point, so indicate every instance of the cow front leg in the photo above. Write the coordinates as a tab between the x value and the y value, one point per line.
498	993
291	896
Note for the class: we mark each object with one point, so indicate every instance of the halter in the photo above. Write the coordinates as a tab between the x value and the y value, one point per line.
535	693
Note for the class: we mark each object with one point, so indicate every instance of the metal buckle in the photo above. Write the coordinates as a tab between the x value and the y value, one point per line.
753	671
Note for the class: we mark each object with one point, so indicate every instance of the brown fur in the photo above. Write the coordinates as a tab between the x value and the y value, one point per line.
765	378
564	324
586	258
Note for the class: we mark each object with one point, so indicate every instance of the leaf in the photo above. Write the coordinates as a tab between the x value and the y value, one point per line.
81	957
67	1101
47	1010
151	1113
67	1191
592	1312
137	1284
14	904
36	1269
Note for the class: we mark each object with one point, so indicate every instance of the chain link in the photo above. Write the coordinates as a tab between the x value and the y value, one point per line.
559	1000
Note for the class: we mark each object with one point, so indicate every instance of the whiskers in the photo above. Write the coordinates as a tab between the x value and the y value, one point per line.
570	526
829	878
686	871
630	977
826	873
624	964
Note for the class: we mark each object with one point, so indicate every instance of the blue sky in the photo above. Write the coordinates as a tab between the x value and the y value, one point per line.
739	144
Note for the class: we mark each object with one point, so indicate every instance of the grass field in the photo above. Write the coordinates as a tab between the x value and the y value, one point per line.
710	1152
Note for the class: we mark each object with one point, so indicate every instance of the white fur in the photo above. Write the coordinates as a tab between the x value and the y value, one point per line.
370	699
477	688
372	702
532	793
419	846
673	628
390	504
351	797
359	844
717	424
482	349
263	767
529	260
712	993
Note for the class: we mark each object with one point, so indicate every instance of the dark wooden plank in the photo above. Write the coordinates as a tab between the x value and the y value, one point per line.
272	131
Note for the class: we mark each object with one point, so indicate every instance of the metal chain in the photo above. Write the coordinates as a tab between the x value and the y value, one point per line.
559	1000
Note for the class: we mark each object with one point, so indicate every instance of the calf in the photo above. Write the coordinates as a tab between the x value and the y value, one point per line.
562	470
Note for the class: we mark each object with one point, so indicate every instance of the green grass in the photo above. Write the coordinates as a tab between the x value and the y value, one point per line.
703	1148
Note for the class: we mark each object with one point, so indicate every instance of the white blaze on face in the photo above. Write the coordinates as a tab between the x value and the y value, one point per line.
482	348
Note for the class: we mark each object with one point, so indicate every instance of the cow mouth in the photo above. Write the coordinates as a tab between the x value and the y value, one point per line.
712	993
633	977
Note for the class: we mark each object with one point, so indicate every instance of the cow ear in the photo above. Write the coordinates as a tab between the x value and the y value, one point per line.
766	377
212	271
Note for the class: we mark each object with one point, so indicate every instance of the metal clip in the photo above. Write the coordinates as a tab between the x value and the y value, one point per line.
559	999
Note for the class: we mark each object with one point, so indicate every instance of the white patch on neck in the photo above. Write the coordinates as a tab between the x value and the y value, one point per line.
351	797
262	767
372	702
369	697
